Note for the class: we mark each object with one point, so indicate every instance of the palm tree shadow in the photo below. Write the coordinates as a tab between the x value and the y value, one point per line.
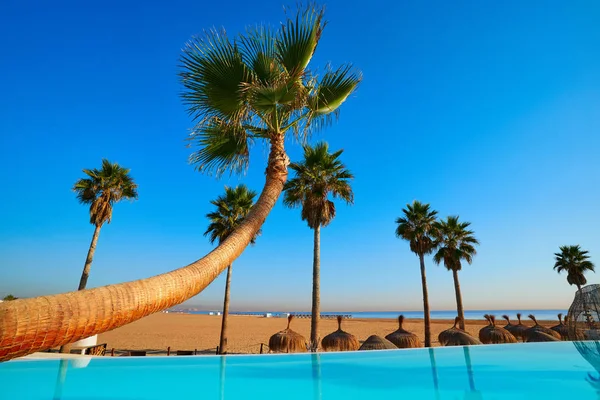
473	393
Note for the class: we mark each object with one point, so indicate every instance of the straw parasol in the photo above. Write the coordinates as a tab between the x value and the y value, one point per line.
287	341
561	328
493	334
509	326
340	340
575	334
530	336
404	339
375	342
539	336
456	336
518	330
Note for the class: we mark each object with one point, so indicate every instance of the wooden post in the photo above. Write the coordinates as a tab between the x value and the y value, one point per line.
169	351
195	351
261	348
217	350
112	352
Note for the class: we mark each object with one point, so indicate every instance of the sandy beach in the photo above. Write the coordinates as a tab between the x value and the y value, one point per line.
246	333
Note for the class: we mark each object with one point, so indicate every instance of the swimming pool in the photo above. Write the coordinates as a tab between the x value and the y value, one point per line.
516	371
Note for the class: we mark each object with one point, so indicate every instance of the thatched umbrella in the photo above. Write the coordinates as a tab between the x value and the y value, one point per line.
518	330
530	334
539	336
574	334
561	328
287	341
375	342
340	340
509	326
404	339
493	334
456	336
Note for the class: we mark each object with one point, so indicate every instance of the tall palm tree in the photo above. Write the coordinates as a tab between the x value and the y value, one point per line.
417	226
101	189
575	262
318	176
231	209
455	244
256	86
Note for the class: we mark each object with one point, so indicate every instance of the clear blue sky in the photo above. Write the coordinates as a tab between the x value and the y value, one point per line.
489	110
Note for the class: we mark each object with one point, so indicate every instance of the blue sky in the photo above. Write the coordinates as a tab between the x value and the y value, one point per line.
485	110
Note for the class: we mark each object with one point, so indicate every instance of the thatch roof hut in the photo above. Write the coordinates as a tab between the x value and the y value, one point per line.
404	339
375	342
456	336
561	328
340	340
493	334
539	336
529	335
288	341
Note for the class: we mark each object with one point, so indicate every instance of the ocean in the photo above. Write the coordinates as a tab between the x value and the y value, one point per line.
542	315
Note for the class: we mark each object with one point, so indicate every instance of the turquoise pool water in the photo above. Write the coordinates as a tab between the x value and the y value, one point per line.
516	371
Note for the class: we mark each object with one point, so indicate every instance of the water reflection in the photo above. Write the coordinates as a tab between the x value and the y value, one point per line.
316	376
590	350
60	379
473	393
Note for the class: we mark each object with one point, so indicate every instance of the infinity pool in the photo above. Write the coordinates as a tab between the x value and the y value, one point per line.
516	371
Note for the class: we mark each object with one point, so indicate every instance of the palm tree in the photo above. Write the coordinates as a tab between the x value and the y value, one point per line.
455	243
417	226
9	297
575	262
319	175
101	189
232	208
255	87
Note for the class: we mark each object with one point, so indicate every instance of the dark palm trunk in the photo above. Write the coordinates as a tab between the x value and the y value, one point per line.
425	302
88	261
459	305
223	341
85	274
316	298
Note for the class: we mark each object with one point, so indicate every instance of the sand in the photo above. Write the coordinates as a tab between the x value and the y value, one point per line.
246	333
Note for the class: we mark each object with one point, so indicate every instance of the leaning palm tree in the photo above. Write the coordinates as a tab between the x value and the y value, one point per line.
417	226
231	209
101	189
318	176
456	244
575	262
254	87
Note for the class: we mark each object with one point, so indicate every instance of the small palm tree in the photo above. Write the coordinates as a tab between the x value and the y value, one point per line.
575	262
101	189
417	226
9	297
455	244
231	209
321	174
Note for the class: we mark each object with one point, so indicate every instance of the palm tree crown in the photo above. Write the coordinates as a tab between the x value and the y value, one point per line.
418	227
575	262
102	188
455	243
231	208
258	86
319	175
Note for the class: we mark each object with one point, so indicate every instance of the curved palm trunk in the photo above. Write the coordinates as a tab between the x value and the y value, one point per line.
223	340
88	261
39	323
316	296
425	302
459	305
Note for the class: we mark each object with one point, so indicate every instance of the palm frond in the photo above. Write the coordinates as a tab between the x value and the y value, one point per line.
333	89
223	147
213	75
298	39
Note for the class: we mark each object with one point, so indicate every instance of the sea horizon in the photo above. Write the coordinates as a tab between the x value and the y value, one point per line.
540	314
